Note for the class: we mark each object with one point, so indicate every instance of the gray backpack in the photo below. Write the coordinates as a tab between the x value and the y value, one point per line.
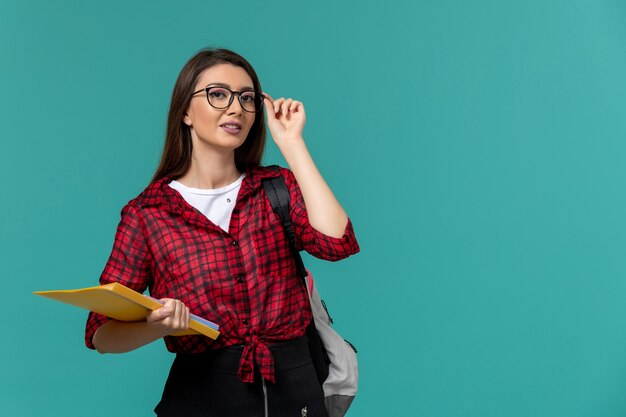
334	358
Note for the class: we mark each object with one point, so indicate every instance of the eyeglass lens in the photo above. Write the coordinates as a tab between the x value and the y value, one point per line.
221	98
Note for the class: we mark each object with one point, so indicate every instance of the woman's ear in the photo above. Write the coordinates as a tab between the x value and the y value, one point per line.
187	120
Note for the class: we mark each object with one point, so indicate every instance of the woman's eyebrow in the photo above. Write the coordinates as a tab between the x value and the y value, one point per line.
218	85
228	86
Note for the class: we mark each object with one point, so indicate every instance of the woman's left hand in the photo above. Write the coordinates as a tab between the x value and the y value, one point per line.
285	118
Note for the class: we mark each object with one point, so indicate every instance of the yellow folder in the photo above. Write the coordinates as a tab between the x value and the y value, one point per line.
121	303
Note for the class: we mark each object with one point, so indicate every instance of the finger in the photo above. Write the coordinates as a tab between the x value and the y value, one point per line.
182	317
295	106
285	106
269	109
160	313
177	316
170	305
184	314
277	104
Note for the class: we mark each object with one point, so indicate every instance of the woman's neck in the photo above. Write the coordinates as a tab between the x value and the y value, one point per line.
210	171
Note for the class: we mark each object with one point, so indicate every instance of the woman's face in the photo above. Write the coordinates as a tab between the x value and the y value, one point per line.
222	130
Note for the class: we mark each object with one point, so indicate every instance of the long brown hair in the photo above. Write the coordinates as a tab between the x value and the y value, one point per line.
176	156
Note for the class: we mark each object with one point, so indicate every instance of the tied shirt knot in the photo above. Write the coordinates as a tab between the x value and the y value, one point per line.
256	352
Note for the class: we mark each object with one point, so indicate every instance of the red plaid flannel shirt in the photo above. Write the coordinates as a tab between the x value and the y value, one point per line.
244	280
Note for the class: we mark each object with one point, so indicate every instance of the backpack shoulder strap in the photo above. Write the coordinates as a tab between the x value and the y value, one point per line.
278	194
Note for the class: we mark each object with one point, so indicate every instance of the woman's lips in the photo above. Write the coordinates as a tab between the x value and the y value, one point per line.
232	128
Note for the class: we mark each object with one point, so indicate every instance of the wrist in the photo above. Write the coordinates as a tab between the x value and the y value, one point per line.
157	329
291	145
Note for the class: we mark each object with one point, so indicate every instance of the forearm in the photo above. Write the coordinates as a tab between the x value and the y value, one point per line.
119	337
325	213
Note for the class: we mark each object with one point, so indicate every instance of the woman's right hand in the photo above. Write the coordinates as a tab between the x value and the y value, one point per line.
118	336
173	317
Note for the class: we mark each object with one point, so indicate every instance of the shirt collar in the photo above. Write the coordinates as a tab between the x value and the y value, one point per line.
159	193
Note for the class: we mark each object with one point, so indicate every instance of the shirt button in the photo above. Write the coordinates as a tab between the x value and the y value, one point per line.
234	243
240	279
244	321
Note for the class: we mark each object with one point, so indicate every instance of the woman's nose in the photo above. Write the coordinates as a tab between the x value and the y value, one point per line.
235	105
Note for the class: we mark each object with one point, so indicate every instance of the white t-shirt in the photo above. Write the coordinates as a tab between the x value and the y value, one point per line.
216	204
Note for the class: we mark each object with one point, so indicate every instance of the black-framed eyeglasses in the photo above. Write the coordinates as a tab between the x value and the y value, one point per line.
222	97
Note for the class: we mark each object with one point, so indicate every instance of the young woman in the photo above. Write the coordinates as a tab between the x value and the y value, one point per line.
202	237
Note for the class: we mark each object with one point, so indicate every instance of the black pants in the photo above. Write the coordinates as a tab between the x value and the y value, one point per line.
207	385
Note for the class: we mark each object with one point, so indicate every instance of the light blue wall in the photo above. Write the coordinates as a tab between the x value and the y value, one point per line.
479	148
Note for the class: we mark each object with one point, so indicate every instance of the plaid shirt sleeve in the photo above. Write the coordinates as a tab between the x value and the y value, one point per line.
128	264
314	242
